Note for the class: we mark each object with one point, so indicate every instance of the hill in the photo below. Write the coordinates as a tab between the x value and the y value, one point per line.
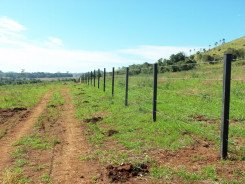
235	47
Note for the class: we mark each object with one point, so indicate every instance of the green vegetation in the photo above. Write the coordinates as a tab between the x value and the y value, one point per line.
176	62
235	47
183	98
26	95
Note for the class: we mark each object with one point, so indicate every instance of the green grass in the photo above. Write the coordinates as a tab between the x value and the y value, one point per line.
45	178
34	142
181	97
26	95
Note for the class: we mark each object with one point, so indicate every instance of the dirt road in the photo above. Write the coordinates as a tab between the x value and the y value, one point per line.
19	131
67	167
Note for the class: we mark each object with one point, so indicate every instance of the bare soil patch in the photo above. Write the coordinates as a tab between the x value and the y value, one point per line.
111	132
203	118
200	154
124	172
197	157
93	119
20	130
7	115
67	167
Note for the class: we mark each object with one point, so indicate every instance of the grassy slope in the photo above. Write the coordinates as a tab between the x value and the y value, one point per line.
179	100
236	44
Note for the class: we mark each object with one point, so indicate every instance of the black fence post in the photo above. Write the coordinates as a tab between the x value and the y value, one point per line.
226	105
98	78
126	93
91	76
88	78
113	81
104	79
94	77
154	109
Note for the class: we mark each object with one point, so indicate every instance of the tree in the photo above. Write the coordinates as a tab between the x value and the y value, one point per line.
216	44
223	40
207	58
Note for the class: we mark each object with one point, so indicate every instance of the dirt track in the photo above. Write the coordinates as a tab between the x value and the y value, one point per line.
67	168
19	131
65	165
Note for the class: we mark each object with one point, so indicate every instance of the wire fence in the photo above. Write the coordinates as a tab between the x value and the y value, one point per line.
159	94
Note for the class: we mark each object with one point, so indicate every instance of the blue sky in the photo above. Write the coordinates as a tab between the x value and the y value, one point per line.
80	35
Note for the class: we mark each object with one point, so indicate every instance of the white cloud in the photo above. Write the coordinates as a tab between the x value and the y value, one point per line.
18	52
8	24
54	42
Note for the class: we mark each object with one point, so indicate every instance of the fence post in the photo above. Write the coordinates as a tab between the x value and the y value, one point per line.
94	77
104	79
88	78
226	105
154	109
126	93
91	76
98	78
113	80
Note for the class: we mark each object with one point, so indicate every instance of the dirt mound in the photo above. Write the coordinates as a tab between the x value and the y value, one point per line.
10	112
111	132
93	119
126	171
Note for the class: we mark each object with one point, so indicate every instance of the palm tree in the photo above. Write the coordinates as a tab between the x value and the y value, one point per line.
190	51
216	43
209	47
223	40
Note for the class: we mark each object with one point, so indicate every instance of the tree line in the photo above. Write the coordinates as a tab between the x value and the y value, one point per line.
34	75
176	62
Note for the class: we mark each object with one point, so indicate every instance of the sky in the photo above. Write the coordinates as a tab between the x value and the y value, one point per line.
83	35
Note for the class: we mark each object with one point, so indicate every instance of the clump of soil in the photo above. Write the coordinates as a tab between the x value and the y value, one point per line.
93	119
126	171
111	132
52	106
205	119
11	112
234	121
17	109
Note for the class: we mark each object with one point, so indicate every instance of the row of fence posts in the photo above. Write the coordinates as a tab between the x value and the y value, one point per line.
87	78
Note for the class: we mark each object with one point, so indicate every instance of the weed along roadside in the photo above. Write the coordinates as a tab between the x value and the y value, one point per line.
184	144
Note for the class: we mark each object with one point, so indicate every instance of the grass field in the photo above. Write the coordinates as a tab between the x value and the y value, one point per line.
26	95
45	143
183	145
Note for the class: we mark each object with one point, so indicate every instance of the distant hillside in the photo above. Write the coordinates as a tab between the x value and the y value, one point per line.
235	44
235	47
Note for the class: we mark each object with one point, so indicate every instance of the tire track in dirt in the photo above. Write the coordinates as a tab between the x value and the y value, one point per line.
67	168
19	131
